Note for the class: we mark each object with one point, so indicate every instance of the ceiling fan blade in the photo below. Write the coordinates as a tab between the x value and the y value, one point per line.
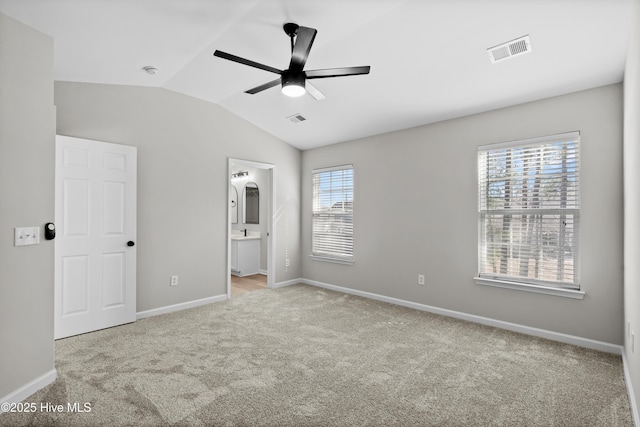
230	57
265	86
313	91
337	72
304	41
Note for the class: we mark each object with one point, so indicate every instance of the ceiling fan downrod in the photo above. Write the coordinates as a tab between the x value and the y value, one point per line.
291	30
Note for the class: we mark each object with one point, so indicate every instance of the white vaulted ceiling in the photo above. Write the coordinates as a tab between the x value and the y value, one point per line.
428	58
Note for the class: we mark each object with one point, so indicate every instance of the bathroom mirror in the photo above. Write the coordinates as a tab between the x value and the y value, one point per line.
233	200
251	203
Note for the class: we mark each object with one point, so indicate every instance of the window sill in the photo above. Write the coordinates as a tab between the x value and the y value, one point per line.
329	259
558	292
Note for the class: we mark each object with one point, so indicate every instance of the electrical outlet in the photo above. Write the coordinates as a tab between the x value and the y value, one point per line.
174	280
420	279
287	262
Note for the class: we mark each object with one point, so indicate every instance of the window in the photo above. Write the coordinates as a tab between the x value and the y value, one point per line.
529	211
332	229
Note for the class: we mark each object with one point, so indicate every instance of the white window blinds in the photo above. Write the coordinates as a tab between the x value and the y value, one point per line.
332	233
529	211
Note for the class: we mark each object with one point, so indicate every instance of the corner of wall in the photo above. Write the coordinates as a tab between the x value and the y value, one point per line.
631	168
27	131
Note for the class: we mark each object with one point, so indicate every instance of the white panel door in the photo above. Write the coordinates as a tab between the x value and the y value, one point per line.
95	252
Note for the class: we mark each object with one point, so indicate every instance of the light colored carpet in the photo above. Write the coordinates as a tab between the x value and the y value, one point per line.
304	356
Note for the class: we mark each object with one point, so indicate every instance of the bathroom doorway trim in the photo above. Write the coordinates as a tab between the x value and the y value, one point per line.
271	242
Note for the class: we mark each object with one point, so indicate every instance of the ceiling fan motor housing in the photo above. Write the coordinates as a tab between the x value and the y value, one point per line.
293	81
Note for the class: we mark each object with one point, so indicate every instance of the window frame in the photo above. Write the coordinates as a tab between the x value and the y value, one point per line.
566	289
329	256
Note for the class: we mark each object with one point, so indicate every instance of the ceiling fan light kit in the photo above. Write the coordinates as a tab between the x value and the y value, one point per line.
293	84
293	80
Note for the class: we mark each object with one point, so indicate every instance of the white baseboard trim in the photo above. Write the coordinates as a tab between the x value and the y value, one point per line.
542	333
28	389
287	283
630	392
178	307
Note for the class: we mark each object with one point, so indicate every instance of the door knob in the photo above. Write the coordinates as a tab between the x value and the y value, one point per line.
130	243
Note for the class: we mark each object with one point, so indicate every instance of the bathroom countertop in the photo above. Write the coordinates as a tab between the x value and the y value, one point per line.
251	235
234	237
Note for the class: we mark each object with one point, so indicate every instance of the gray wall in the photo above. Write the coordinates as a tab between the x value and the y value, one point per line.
632	202
27	138
183	150
415	213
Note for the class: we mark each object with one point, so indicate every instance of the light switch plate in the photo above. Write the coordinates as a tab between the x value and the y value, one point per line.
24	236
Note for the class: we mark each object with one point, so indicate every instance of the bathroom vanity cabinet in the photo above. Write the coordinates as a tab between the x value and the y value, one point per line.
245	256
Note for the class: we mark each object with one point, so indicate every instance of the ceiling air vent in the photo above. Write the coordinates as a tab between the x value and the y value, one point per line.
297	118
507	50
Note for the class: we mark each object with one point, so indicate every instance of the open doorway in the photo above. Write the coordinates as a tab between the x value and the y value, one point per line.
250	242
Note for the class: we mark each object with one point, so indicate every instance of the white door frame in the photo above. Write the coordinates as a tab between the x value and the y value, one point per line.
271	243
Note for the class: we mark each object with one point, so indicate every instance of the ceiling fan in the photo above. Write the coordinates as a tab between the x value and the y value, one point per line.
294	79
